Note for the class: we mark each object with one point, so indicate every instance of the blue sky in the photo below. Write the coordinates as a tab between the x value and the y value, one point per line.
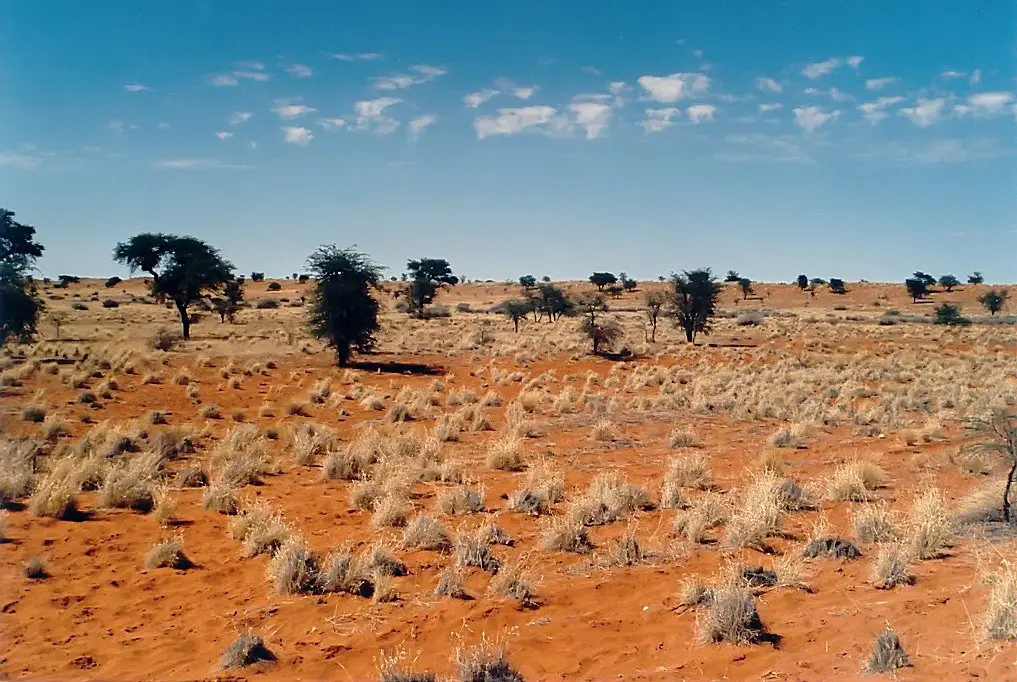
852	139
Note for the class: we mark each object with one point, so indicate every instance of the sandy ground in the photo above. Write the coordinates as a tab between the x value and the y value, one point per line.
101	615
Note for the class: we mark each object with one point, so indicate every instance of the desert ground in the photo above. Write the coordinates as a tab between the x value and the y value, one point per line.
586	516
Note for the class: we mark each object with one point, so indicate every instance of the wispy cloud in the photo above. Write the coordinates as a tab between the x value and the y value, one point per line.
475	99
297	135
255	73
833	93
291	111
976	77
811	119
593	117
669	89
880	83
616	88
18	160
592	70
418	124
240	117
357	57
745	147
698	113
875	112
422	73
224	135
371	115
766	108
333	123
299	71
950	74
820	69
523	92
512	121
925	112
988	103
767	85
197	164
116	125
657	120
136	87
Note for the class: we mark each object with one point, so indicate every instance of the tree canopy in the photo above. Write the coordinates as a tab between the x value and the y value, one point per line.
183	269
19	301
343	310
427	276
916	288
994	300
694	295
976	278
948	282
602	279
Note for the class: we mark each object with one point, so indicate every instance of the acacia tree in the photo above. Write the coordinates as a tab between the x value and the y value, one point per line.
999	435
516	309
975	278
746	286
527	281
602	279
916	288
182	268
427	276
229	303
19	301
653	303
694	296
342	309
948	282
802	282
994	300
602	332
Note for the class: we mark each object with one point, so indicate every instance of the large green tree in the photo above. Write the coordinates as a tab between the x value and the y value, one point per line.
427	276
19	301
343	310
183	269
694	295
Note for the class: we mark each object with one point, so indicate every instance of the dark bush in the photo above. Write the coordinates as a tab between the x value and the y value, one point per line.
274	286
110	303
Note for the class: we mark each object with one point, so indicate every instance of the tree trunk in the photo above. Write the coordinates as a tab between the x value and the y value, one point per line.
653	334
690	334
184	319
342	352
515	321
1006	492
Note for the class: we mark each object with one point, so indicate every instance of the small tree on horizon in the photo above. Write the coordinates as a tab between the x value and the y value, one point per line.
527	281
746	286
926	278
976	278
342	309
627	284
182	268
837	286
948	282
20	304
602	279
916	288
802	282
427	276
733	276
694	295
551	300
994	300
602	332
653	303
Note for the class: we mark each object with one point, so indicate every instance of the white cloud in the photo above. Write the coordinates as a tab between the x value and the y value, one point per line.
616	88
989	103
820	69
761	146
764	108
332	123
371	115
523	93
423	74
701	112
925	112
197	164
252	75
668	89
240	117
136	87
697	53
224	135
475	99
230	79
24	161
593	70
298	135
659	119
833	93
358	57
880	83
767	85
855	61
811	118
875	111
593	117
950	74
512	121
222	80
418	124
299	71
116	125
976	77
257	66
290	111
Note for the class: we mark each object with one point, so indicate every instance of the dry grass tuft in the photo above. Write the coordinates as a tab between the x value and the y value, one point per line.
759	514
506	454
246	650
627	551
345	573
425	532
472	550
887	655
512	581
707	512
391	511
1000	621
451	583
608	498
565	535
682	437
688	470
730	616
604	432
168	553
36	568
875	523
833	548
461	500
856	482
892	567
485	663
293	569
928	527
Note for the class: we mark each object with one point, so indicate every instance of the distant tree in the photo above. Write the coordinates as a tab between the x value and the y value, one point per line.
928	279
232	296
516	310
733	276
802	282
427	276
998	432
303	278
746	286
653	303
552	301
69	279
627	284
615	290
182	268
342	309
975	278
274	286
527	281
948	282
58	319
294	276
545	278
602	332
950	315
113	281
994	300
20	304
661	278
916	288
837	286
257	276
694	296
602	279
